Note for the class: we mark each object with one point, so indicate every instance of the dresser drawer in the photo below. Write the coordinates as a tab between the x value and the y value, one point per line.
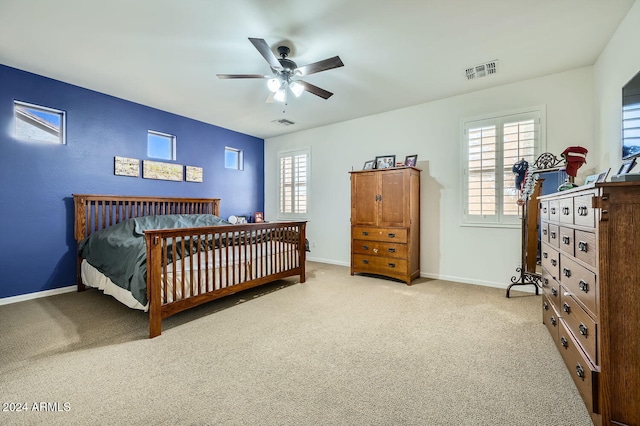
554	236
554	210
584	329
580	282
551	319
551	288
544	210
379	265
396	235
583	373
585	215
585	247
377	248
550	260
566	211
565	238
544	232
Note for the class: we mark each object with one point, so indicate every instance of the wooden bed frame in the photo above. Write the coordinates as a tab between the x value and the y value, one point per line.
281	247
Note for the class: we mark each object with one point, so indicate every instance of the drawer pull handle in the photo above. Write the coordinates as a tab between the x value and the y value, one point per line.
553	235
583	329
566	307
545	306
566	240
553	321
566	211
564	342
554	262
580	371
392	235
545	255
392	265
545	282
584	286
553	210
392	250
365	247
544	231
544	210
583	211
554	292
566	272
365	261
365	233
583	246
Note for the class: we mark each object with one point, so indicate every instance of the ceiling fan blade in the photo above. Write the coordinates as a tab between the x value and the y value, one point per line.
324	65
266	52
315	90
270	99
242	76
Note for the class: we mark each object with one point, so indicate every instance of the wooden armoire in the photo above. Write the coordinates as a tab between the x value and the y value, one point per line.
385	223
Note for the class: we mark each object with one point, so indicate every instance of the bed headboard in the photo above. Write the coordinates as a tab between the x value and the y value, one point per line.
95	212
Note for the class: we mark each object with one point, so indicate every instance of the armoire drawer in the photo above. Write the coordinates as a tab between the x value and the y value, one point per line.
377	248
566	211
379	265
581	325
396	235
566	237
554	211
584	374
580	282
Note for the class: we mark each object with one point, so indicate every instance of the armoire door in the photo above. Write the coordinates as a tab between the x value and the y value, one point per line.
364	199
393	200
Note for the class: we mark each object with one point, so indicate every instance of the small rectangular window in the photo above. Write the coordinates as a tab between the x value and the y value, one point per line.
38	123
161	145
233	159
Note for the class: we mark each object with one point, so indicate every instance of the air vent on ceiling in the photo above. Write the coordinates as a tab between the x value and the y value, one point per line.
482	70
283	122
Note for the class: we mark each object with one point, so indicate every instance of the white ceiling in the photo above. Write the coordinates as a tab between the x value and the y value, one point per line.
166	53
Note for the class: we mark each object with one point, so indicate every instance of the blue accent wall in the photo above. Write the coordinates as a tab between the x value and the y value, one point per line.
38	251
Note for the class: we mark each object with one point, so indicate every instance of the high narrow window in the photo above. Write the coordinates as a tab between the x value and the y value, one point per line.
233	158
492	146
38	123
161	145
293	183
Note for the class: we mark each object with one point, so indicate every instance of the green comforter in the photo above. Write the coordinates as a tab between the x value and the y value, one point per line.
120	253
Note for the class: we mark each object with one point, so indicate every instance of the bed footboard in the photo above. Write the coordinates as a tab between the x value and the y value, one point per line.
190	266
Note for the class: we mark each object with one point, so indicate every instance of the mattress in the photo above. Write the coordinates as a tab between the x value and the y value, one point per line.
204	272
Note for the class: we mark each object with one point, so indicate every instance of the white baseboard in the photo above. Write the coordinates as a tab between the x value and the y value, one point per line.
329	261
37	295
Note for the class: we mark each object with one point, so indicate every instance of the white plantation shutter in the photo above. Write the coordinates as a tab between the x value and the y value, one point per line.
492	146
293	183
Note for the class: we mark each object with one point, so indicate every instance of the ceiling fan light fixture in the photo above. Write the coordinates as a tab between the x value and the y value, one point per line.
274	84
281	95
296	88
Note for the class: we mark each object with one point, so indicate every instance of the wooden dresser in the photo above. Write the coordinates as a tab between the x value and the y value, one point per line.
591	303
385	223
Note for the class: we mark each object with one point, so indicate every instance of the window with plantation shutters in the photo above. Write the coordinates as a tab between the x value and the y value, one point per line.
293	183
492	145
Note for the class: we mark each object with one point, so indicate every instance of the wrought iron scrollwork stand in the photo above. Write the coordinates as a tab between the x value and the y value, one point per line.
546	162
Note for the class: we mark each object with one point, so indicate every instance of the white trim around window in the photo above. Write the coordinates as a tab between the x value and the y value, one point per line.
294	176
491	145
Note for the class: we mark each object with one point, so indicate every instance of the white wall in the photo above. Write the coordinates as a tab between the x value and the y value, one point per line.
485	256
618	63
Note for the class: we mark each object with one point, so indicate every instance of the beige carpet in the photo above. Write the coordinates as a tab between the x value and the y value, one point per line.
336	350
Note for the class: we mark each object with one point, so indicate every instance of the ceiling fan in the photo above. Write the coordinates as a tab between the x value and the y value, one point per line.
286	73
